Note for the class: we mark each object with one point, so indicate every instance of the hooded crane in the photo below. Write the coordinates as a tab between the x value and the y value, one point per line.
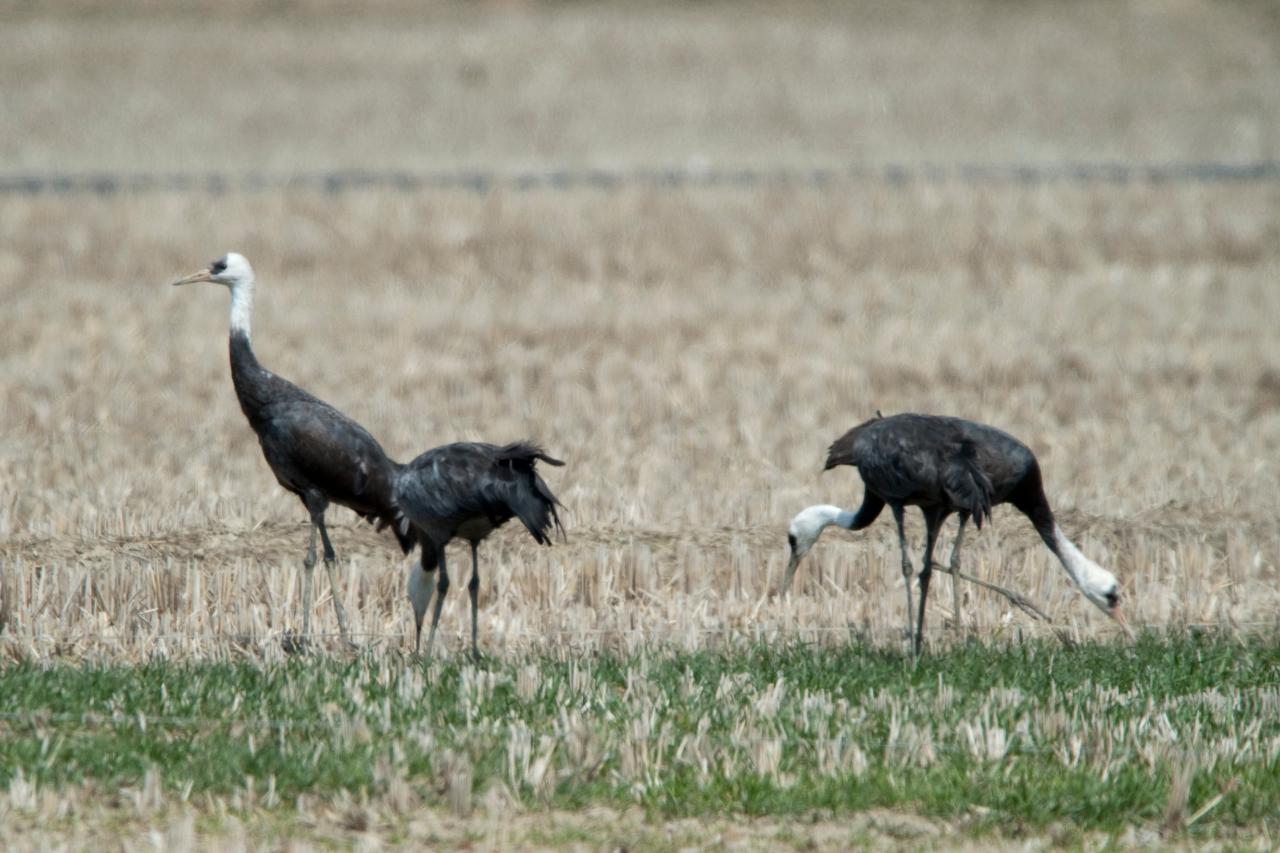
945	465
315	451
467	490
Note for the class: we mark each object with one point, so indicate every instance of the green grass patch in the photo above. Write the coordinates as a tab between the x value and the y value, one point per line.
1027	734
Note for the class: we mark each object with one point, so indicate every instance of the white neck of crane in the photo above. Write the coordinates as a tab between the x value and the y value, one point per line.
1087	574
241	306
829	515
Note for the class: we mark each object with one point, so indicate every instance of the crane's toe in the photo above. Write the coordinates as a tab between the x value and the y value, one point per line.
294	643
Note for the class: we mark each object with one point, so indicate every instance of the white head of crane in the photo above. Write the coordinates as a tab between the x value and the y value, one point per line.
233	272
805	529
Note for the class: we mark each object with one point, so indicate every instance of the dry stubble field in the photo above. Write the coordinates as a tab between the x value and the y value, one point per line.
689	354
688	351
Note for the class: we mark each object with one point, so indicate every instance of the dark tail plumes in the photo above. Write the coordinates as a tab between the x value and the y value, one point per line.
402	534
523	454
967	485
841	450
382	495
532	500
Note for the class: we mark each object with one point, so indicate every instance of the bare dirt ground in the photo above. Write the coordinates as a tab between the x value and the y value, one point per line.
689	352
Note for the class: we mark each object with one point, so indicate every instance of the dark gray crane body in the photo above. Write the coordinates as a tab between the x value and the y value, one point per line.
467	490
945	465
314	450
942	463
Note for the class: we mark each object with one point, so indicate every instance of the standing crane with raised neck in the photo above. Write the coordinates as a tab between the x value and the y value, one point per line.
315	451
943	466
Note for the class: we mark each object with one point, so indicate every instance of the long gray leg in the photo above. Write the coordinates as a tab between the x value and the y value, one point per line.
474	589
442	587
421	587
955	573
906	564
329	559
932	521
308	568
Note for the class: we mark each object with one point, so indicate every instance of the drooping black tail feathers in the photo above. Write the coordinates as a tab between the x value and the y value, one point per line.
841	450
400	529
523	454
967	485
533	503
385	496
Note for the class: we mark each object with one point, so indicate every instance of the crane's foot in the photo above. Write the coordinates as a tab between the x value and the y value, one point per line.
294	643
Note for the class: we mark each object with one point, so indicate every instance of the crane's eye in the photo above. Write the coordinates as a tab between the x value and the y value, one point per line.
219	266
791	540
1113	598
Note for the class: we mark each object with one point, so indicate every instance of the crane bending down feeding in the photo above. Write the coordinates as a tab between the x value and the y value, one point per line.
945	465
315	451
468	490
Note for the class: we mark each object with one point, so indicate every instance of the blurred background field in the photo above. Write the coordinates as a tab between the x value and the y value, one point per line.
688	348
322	85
